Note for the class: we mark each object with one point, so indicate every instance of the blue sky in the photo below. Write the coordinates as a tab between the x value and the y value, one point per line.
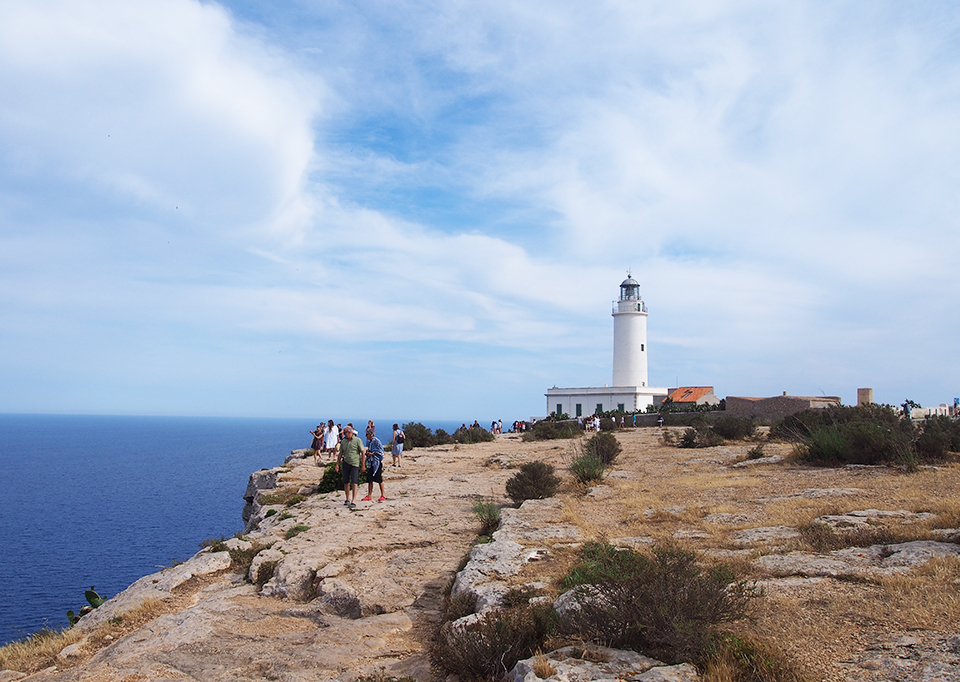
423	210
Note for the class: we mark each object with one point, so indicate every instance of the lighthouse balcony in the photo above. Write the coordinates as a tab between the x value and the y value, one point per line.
634	306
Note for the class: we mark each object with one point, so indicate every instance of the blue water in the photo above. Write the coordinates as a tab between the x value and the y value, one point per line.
102	501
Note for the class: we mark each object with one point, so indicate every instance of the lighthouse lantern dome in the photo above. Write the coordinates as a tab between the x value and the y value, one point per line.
630	289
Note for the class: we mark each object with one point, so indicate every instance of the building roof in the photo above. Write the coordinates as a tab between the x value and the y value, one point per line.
689	394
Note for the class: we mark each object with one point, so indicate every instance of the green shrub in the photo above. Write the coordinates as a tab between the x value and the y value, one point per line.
296	530
700	435
938	437
332	480
474	434
665	606
756	452
489	647
270	512
488	513
266	572
551	430
587	468
734	428
443	438
534	481
605	447
609	423
418	436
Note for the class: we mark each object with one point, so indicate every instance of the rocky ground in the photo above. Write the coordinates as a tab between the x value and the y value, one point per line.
338	594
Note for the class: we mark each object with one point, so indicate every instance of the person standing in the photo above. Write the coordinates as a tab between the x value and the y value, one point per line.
350	462
331	436
374	454
371	431
396	444
317	444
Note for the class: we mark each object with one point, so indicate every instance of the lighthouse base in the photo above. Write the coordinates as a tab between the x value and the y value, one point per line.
583	402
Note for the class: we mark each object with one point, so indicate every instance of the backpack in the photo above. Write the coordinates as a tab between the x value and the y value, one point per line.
400	437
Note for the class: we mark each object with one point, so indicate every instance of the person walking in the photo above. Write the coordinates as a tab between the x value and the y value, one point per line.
350	463
374	454
396	444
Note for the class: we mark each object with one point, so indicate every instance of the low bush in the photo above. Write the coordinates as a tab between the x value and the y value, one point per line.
665	606
534	481
587	468
473	434
605	447
609	423
418	436
296	530
332	480
734	428
490	646
551	430
700	435
488	514
938	437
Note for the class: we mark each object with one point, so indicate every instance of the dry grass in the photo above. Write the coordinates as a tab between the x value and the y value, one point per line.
542	667
40	650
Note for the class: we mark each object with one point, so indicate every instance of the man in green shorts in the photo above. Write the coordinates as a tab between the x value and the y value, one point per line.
350	454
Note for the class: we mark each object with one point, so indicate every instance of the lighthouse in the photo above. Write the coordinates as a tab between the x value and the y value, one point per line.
629	336
629	391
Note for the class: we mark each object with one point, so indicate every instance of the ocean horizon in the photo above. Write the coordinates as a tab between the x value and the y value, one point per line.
101	501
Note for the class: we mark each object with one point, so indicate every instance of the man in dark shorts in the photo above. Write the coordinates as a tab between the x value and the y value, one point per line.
374	453
350	455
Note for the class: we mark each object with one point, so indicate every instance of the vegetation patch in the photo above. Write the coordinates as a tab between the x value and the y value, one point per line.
587	468
284	496
605	447
488	514
868	434
295	531
490	646
547	429
666	606
534	481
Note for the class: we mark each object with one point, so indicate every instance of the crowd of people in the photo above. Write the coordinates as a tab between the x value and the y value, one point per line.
351	457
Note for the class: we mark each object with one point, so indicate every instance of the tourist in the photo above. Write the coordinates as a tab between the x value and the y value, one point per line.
350	455
660	420
499	427
396	444
317	444
374	454
331	436
371	431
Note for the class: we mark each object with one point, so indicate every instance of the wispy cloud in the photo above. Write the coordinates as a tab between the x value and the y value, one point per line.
445	197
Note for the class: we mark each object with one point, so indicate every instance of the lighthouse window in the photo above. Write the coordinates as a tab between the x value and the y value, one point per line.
641	346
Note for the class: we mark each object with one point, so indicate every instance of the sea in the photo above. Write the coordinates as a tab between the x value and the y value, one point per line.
101	501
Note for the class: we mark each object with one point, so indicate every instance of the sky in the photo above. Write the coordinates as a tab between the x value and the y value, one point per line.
423	210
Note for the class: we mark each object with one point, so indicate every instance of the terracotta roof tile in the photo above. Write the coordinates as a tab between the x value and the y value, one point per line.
689	394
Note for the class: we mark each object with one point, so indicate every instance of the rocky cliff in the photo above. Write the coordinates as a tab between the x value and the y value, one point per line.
314	591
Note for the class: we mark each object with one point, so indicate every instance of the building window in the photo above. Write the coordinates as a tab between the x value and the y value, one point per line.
579	410
620	407
641	346
559	409
599	408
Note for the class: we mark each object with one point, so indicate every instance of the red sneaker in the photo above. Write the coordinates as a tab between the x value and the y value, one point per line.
382	498
365	499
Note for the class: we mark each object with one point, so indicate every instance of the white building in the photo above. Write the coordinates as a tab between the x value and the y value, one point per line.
629	391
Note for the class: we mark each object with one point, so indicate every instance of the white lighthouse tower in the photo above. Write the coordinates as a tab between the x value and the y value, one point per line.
629	391
629	336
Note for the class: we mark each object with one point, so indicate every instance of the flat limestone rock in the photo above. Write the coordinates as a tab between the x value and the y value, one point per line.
750	536
599	664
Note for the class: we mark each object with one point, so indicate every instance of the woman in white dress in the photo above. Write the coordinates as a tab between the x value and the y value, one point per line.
331	436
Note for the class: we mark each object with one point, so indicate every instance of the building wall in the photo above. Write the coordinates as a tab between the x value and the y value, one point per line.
588	399
777	407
